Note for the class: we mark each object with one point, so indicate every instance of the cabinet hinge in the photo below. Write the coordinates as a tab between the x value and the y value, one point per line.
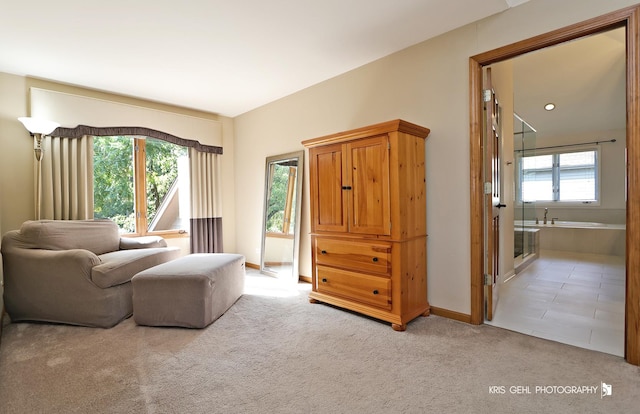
486	95
388	145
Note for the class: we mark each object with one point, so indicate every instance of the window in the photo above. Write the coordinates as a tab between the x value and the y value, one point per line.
141	184
569	177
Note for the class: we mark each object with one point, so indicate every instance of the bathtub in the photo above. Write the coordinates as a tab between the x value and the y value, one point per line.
578	236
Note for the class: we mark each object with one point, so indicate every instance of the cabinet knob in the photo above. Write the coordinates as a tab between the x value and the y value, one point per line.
324	280
375	259
375	292
323	252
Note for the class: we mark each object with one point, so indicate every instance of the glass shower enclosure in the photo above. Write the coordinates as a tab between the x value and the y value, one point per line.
524	136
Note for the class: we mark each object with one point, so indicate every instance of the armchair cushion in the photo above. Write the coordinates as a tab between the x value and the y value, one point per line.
97	236
119	267
145	242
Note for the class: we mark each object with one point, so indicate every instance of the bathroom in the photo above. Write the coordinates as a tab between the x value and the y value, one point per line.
562	265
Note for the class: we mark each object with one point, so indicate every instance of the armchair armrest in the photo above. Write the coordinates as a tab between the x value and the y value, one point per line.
54	266
56	286
146	242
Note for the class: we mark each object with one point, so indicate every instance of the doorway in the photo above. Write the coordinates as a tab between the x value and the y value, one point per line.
564	177
628	18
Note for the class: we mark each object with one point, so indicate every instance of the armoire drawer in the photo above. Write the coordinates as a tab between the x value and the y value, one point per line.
354	254
368	289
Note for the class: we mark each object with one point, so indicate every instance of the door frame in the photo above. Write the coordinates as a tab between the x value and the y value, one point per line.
630	19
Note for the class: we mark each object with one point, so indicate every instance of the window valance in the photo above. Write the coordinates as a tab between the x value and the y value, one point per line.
82	130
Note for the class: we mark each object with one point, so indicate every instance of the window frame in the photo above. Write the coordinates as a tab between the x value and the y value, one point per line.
140	192
555	172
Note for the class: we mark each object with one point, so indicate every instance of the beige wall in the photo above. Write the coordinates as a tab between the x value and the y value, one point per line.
426	84
16	154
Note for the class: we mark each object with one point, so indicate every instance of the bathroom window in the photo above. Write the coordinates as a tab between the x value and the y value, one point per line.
559	177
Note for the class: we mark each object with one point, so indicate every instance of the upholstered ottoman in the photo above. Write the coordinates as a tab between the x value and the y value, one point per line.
192	291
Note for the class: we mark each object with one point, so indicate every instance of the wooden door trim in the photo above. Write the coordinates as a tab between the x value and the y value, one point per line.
629	18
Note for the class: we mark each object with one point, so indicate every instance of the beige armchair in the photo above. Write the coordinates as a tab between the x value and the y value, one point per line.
75	271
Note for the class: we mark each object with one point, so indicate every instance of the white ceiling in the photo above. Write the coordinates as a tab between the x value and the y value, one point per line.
221	56
585	79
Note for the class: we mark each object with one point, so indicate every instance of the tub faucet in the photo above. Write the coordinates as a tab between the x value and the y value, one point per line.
546	211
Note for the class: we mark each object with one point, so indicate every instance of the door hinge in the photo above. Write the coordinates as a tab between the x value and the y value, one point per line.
486	95
488	187
487	280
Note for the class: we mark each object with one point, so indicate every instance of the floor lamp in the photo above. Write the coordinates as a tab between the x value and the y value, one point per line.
38	129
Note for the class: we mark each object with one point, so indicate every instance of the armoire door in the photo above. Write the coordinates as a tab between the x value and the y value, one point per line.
327	169
368	183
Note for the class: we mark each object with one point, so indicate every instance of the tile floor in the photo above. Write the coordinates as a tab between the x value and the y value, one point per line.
572	298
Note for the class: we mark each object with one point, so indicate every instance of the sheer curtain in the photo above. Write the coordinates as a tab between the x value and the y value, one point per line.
64	179
206	203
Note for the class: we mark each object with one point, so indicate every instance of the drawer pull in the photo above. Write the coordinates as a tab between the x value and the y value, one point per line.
324	280
375	292
375	259
323	252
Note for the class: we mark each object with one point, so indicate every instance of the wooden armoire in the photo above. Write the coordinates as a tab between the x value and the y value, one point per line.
369	221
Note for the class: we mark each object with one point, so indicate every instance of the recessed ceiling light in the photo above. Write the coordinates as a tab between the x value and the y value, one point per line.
550	107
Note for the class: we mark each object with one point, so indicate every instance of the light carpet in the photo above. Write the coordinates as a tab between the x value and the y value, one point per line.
274	352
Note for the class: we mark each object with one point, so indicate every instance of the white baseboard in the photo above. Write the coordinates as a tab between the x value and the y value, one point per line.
511	273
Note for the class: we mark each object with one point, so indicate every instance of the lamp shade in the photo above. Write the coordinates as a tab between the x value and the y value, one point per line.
38	126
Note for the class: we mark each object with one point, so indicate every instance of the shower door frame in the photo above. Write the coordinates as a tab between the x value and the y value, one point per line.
630	19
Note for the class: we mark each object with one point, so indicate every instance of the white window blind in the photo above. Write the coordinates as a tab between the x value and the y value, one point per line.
559	177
